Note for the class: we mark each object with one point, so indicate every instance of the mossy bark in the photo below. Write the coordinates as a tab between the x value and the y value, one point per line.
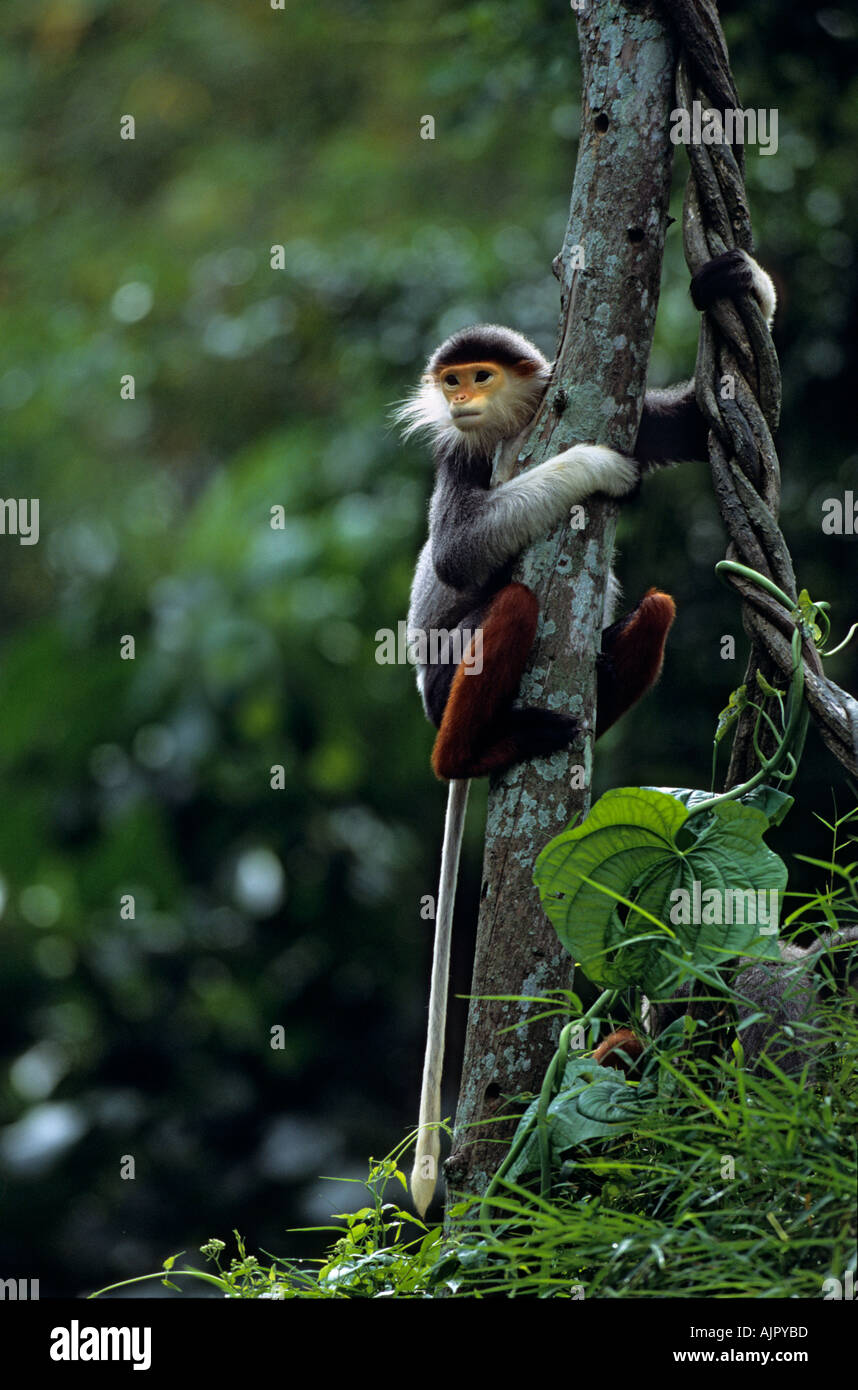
617	219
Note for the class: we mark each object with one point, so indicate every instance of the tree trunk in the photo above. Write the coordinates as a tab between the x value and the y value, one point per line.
618	219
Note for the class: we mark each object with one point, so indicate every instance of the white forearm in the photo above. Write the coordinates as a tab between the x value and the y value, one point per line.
530	506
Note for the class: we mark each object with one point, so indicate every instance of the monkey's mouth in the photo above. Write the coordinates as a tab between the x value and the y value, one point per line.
460	415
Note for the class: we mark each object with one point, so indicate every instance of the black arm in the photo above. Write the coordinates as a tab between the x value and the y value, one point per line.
672	428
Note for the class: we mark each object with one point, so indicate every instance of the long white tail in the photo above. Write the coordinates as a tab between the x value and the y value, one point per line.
424	1174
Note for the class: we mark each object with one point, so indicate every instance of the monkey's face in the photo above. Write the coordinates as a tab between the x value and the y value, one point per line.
472	391
475	403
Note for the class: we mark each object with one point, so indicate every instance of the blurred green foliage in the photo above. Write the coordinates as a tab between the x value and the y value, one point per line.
256	647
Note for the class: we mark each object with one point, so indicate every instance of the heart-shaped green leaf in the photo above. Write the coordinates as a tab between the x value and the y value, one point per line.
592	1103
773	803
711	891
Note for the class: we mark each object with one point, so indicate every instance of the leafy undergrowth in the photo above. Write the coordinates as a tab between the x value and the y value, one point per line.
701	1177
734	1185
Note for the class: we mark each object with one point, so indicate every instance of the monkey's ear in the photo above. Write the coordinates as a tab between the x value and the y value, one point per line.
525	366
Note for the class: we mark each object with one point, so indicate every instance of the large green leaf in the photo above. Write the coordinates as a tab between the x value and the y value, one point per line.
592	1103
634	844
773	803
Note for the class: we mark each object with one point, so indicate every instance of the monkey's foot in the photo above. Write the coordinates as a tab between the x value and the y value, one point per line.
631	657
729	275
621	1049
517	735
541	732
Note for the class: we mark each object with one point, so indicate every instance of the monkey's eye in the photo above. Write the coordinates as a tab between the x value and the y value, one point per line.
451	381
483	376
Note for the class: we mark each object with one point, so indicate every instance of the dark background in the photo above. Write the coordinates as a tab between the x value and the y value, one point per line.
256	647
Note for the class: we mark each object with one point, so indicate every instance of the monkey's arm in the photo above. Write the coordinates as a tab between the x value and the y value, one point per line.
477	532
672	428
